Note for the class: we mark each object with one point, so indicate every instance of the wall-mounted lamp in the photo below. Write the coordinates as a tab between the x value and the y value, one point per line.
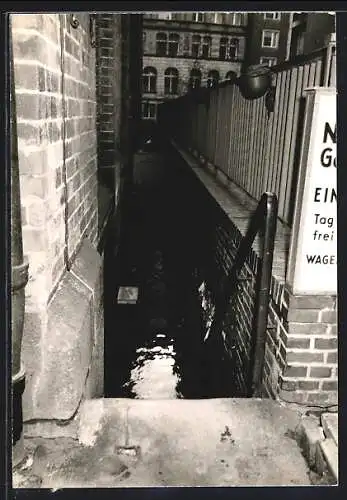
92	30
74	21
255	82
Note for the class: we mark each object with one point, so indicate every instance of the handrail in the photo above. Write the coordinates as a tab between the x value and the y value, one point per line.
264	221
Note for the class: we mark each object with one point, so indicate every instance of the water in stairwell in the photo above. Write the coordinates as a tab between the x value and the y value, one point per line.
154	349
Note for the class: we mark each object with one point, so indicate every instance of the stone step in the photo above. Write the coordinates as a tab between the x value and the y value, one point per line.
330	426
210	442
329	452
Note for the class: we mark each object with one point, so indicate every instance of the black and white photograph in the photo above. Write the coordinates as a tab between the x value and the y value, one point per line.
173	227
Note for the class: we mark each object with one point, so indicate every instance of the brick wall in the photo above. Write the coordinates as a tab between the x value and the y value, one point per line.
108	51
58	176
300	364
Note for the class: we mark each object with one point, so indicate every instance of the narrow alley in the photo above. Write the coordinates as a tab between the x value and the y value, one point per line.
168	326
154	347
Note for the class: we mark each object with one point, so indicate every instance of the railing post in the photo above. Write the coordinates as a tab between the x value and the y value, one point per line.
18	282
263	295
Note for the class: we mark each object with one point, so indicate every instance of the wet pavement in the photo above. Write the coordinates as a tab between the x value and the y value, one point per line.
154	348
141	443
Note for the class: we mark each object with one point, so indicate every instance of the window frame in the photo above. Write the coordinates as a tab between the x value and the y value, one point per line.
276	16
210	78
269	58
173	40
196	17
235	16
171	75
163	42
151	75
195	75
275	35
225	47
194	44
150	105
206	42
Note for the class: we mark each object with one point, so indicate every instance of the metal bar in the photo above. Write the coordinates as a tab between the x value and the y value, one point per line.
263	295
230	284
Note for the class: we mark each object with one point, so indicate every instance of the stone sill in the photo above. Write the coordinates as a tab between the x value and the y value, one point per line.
239	206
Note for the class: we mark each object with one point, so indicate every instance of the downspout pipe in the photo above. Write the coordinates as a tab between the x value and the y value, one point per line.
19	279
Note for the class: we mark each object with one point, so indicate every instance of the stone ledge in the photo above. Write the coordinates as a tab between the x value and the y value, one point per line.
239	207
63	346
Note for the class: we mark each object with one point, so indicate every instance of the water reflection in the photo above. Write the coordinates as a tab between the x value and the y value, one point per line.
155	349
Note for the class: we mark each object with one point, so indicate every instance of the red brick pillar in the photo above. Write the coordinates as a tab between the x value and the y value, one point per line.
310	375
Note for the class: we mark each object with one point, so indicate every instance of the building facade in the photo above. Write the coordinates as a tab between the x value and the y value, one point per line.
310	31
267	38
183	51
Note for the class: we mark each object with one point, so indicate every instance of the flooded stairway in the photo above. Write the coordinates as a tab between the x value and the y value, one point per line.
154	346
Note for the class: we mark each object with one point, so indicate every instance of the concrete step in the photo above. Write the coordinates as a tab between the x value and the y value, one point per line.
329	446
330	423
329	452
210	442
319	442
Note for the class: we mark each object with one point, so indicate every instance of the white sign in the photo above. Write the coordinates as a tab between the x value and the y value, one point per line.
313	253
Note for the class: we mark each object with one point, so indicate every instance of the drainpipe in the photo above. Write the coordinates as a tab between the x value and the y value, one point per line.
19	279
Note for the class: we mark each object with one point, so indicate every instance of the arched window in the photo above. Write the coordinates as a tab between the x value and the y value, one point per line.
206	47
233	48
195	79
231	75
149	80
161	44
223	48
196	42
212	78
174	40
171	81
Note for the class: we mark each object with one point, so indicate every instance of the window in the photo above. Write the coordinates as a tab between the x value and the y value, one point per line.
149	80
270	39
196	42
165	15
173	44
198	17
233	48
161	44
213	78
195	79
223	48
269	61
237	19
217	18
149	110
206	47
231	75
171	81
276	16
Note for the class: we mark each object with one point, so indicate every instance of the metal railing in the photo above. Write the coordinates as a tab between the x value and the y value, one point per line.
263	221
257	150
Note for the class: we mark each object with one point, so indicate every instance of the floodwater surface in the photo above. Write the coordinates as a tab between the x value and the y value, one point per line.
154	348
